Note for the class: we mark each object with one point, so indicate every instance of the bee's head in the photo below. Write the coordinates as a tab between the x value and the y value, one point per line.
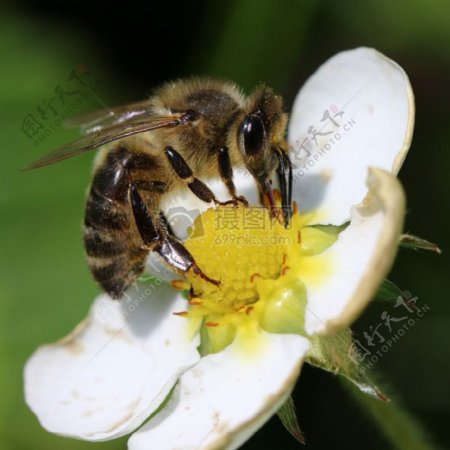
261	141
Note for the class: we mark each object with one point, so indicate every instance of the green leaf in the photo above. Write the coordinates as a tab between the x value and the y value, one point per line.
338	355
412	242
288	418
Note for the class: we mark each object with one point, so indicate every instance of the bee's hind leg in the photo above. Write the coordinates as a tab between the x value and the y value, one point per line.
157	238
176	254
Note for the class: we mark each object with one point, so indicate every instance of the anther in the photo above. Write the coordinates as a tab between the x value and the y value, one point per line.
180	285
255	275
195	301
249	309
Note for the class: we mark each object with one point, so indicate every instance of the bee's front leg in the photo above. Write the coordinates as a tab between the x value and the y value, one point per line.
184	172
284	172
226	173
197	187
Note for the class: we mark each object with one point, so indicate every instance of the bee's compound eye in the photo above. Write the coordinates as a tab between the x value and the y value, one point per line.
253	135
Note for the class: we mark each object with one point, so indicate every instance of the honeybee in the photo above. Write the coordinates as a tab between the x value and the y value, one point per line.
186	132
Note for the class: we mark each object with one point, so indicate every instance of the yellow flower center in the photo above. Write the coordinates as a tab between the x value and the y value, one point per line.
259	263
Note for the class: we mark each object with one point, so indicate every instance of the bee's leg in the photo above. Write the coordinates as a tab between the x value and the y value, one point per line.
156	237
284	172
176	254
165	223
226	173
143	219
184	172
182	169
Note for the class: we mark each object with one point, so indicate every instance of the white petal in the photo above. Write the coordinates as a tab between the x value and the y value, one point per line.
115	368
223	400
376	99
359	260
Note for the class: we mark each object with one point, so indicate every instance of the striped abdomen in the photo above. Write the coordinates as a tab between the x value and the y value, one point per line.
113	247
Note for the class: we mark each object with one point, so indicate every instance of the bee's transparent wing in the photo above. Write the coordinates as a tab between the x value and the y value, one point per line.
94	121
103	136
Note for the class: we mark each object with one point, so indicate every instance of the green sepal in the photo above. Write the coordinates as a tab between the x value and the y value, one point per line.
205	347
412	242
338	355
387	292
288	418
331	229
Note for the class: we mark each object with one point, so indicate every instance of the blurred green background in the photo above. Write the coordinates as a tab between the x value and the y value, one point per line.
125	50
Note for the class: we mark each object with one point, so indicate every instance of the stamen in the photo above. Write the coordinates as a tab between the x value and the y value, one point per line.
180	285
195	301
255	275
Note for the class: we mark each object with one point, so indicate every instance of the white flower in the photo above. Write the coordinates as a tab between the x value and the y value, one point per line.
350	130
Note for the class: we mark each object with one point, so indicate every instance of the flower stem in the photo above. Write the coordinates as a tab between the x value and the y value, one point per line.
400	428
